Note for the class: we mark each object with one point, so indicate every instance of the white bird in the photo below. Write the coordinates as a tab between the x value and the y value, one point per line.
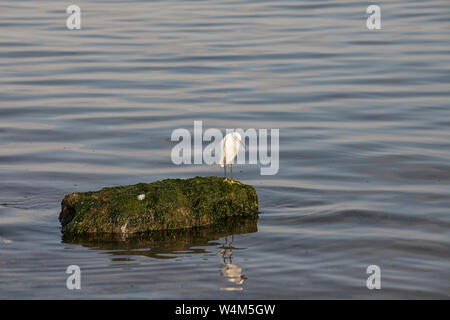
229	147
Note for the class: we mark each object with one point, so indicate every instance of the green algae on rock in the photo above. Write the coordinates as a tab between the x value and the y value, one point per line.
168	204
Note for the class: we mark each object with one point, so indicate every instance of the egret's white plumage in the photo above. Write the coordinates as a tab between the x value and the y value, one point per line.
229	147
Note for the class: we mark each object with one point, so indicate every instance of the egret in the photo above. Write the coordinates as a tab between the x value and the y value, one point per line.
230	148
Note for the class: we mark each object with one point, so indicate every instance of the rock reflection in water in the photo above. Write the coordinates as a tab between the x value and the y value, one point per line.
165	244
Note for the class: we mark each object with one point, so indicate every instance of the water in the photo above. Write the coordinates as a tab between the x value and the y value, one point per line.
364	144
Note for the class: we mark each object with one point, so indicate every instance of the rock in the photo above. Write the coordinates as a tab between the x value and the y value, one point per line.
168	204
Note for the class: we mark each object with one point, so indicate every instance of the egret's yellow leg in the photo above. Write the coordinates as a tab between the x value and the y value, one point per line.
231	171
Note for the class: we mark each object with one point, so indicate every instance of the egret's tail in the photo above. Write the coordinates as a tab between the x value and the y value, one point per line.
222	161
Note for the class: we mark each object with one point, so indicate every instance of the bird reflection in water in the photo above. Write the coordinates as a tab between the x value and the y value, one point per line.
228	269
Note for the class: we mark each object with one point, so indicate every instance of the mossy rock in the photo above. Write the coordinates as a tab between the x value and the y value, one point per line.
168	205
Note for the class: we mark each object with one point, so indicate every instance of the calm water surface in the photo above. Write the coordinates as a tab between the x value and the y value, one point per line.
364	144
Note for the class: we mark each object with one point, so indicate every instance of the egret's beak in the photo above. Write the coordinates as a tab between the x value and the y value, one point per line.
240	143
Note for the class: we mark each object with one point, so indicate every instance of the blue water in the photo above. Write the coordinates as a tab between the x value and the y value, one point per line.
364	124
